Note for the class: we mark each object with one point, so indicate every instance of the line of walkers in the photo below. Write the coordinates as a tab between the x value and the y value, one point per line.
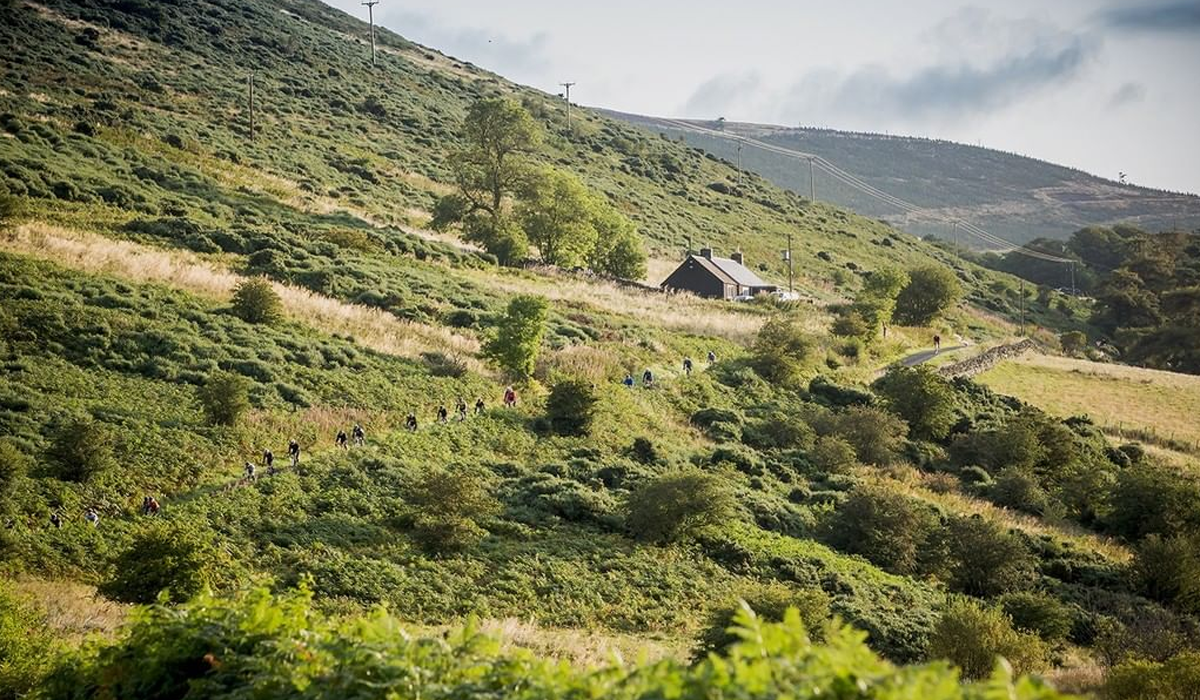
648	375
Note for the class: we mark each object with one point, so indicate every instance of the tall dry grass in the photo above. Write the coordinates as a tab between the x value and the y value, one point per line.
369	327
683	313
73	610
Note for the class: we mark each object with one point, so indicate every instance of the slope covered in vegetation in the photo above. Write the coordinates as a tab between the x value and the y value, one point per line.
177	298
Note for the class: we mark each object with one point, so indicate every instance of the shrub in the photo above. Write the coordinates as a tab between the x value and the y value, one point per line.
644	451
161	558
832	455
779	430
971	636
678	504
1018	489
781	350
768	602
514	348
851	325
876	435
1153	499
571	407
924	400
1168	570
1039	613
225	397
930	291
14	464
888	528
1073	342
982	558
255	301
82	448
450	506
26	646
837	395
1174	679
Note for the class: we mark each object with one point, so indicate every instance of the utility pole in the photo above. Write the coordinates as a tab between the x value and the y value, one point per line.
1072	266
812	183
740	167
371	18
568	96
1022	307
787	255
956	233
250	90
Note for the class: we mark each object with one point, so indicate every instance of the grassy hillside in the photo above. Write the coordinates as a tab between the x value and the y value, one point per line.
137	204
1016	197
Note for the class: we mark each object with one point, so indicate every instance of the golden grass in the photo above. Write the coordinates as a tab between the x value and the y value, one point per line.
581	648
677	312
1118	397
369	327
72	610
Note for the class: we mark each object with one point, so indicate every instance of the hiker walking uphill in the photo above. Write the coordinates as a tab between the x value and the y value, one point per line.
460	407
92	517
510	397
294	452
360	435
341	440
269	461
410	422
937	344
687	366
479	406
628	381
712	357
647	379
249	470
442	414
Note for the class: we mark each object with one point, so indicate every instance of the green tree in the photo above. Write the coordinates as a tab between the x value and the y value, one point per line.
980	558
83	449
930	291
518	338
971	636
1174	679
488	171
781	350
256	301
678	504
162	557
557	213
1042	614
571	407
876	303
876	435
618	251
450	507
923	399
1168	570
225	397
887	528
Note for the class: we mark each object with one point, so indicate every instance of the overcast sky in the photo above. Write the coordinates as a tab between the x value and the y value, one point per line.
1108	87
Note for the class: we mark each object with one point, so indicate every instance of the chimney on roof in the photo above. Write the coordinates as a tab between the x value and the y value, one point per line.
706	253
737	258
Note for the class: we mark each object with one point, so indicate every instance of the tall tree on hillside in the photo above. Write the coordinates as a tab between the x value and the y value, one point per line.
877	301
556	213
618	251
518	338
489	170
930	291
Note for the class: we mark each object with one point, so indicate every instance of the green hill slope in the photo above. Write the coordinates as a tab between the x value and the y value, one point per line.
135	205
1014	196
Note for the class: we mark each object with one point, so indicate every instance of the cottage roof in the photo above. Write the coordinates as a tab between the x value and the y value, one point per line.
738	272
715	269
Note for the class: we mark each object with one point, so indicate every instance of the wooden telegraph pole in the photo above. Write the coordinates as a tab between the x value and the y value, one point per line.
250	91
371	19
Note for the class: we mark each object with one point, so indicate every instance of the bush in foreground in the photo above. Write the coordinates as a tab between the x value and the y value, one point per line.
971	636
161	559
259	646
769	602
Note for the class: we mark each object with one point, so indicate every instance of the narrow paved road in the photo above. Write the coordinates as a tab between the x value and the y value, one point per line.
924	356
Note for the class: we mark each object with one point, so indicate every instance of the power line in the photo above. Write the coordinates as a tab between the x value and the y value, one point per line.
856	183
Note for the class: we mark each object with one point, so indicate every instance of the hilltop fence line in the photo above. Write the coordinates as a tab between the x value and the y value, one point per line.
987	359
